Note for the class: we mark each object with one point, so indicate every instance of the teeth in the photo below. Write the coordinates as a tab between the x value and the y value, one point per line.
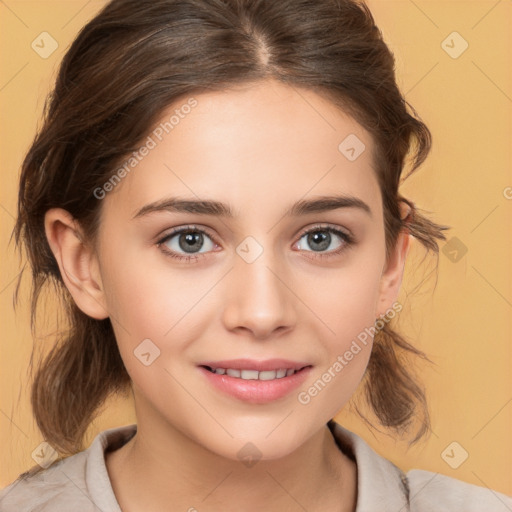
267	375
254	374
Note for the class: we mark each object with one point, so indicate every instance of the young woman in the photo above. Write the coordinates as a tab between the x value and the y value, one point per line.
215	191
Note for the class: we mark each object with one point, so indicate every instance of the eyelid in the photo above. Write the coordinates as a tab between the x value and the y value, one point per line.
327	226
187	227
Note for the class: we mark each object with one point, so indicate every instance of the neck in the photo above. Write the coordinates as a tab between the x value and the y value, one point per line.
164	469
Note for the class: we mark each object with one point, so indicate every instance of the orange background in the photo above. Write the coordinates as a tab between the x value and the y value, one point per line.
463	324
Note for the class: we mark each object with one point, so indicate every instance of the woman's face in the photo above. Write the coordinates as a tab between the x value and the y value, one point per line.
257	285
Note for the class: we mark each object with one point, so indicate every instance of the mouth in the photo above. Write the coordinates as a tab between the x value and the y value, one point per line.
255	386
255	374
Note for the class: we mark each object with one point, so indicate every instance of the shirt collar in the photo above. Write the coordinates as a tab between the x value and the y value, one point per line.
380	484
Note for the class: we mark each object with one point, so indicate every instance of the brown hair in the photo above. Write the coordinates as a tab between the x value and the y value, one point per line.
129	63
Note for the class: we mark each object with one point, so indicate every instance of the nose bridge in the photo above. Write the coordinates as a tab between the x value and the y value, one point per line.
258	297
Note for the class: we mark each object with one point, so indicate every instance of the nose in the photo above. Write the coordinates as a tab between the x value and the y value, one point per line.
260	298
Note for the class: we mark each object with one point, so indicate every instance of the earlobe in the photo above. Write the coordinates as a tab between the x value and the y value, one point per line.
77	262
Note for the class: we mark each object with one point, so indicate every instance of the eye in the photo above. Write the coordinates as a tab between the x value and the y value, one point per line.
185	243
187	239
320	238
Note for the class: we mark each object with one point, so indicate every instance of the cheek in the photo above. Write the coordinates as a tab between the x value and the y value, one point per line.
142	305
344	309
144	297
155	310
345	300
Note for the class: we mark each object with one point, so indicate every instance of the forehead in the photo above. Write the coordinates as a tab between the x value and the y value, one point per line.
252	145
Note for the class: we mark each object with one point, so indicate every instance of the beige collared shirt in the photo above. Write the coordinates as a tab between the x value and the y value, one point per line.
80	483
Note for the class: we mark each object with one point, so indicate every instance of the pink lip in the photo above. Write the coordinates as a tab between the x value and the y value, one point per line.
256	391
252	364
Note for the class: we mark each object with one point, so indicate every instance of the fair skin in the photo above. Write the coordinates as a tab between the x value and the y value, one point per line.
259	149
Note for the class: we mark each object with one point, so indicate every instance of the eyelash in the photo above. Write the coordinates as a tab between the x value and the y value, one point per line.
348	241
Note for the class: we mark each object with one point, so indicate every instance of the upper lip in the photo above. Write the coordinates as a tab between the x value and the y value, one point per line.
253	364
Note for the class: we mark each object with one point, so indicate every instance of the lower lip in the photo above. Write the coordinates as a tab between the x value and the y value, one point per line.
256	391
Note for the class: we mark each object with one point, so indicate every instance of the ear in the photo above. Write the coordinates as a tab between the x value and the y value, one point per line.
392	275
77	262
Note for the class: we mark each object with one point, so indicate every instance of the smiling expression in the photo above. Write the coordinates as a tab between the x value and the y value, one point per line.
245	232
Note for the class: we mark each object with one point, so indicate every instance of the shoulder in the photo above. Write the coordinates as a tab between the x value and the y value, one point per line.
434	492
59	487
79	482
383	486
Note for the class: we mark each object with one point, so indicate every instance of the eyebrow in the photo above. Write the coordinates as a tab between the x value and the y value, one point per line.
216	208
